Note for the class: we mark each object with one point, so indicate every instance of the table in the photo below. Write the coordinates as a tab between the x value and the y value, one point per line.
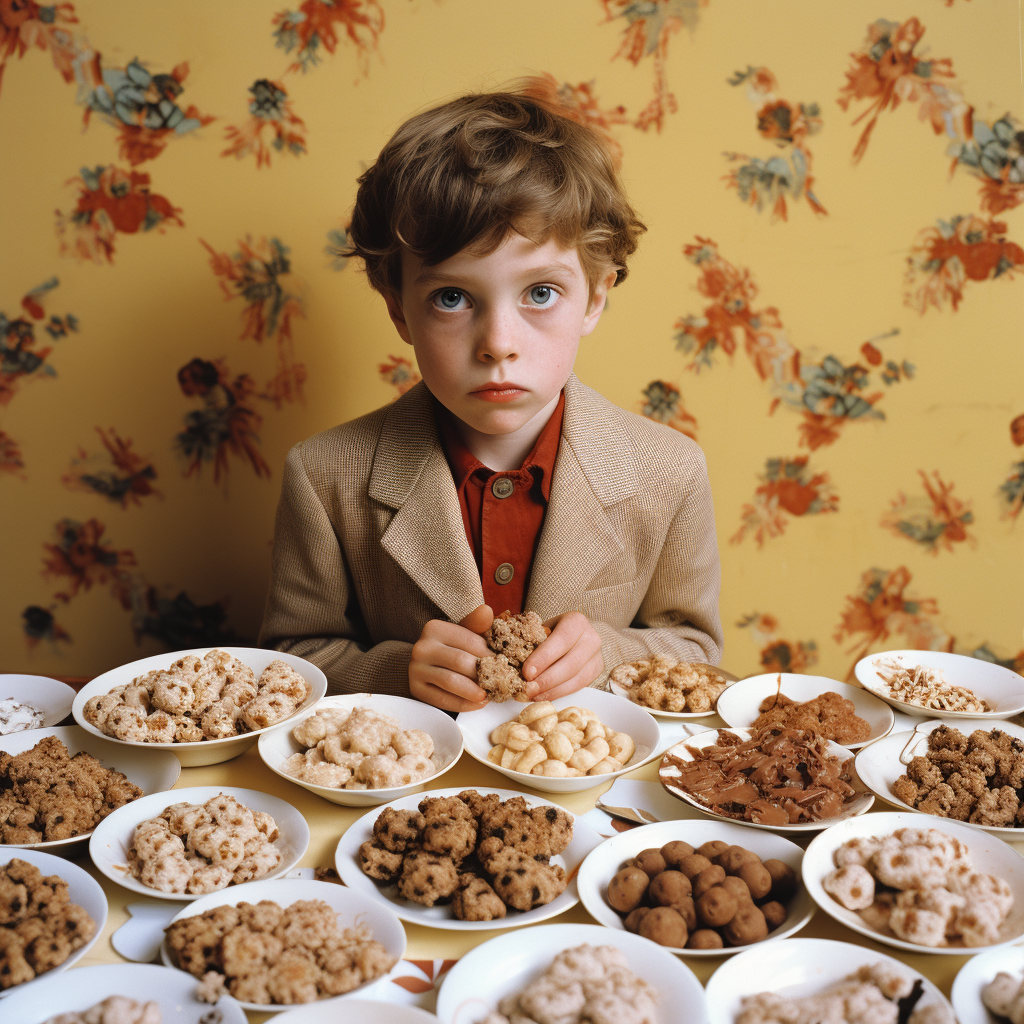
328	821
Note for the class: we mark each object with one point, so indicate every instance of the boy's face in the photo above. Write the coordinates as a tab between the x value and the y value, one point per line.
496	336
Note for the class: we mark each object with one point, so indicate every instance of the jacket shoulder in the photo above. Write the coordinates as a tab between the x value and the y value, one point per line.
343	451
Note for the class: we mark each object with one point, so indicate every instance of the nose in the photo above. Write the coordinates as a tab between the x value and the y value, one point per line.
496	339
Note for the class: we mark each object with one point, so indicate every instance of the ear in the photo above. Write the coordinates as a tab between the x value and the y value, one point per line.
394	304
597	302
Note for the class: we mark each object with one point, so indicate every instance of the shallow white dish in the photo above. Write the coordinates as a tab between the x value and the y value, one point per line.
601	865
975	975
204	752
83	889
620	715
795	968
50	696
1001	688
151	772
112	838
584	839
880	765
740	704
623	691
351	907
355	1011
991	856
277	744
174	991
507	964
668	775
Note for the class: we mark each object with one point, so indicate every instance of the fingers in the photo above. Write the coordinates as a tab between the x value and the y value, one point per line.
430	694
456	636
479	619
590	671
566	632
456	683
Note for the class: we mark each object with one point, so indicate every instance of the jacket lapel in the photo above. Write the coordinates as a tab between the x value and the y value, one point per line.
426	536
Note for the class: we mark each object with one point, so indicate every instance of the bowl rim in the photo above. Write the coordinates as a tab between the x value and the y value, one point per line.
62	696
978	971
621	691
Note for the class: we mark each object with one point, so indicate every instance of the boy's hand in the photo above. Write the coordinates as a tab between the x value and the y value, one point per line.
567	661
442	670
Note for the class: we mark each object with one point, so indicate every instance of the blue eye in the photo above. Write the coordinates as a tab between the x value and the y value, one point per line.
541	295
449	298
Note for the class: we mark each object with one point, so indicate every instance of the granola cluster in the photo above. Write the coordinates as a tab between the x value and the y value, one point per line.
666	684
513	639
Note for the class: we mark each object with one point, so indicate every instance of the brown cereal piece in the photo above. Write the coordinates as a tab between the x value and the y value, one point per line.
187	730
257	864
412	741
477	901
379	863
398	830
427	878
14	967
172	693
97	709
522	882
996	808
220	720
450	837
160	728
264	916
551	831
511	822
211	988
194	943
307	924
280	677
500	679
907	790
293	978
939	801
239	692
515	636
127	723
318	726
267	709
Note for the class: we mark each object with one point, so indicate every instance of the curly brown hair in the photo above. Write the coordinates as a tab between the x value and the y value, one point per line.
473	170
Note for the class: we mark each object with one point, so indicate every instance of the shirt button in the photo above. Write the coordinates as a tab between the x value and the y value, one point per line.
504	573
502	488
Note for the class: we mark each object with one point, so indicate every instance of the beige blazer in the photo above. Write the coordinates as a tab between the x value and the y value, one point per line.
369	542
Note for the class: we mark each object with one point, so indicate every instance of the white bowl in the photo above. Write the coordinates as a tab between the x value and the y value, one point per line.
975	975
740	703
278	744
112	838
991	856
623	691
880	765
174	991
1001	688
83	889
355	1011
151	772
621	715
351	907
601	865
50	696
508	963
795	968
346	858
668	775
203	752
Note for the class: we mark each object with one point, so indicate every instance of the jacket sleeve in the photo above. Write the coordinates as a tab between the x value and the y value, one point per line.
311	609
678	615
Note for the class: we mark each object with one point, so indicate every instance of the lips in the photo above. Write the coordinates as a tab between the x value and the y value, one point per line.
504	386
504	392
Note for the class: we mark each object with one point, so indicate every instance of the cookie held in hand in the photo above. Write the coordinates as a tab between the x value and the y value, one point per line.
513	639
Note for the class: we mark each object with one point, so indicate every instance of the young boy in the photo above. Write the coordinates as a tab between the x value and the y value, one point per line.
493	226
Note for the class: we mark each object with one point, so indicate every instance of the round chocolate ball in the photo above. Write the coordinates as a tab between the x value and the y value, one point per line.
669	887
717	907
774	913
686	909
626	889
650	862
713	875
704	938
734	858
634	917
664	926
712	848
737	887
693	865
675	851
747	926
783	879
758	879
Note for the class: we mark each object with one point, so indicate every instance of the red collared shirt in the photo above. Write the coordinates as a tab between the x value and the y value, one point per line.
503	512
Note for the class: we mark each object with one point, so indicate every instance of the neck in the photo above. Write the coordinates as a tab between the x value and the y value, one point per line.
502	452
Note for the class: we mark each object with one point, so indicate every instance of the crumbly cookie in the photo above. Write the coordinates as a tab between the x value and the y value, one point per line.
515	636
379	863
522	882
500	678
398	830
427	878
476	900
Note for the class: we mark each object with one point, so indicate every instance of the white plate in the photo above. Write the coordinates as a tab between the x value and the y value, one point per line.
991	856
112	838
278	744
203	752
601	865
50	696
975	975
668	775
584	839
879	766
83	889
1003	689
507	964
795	968
623	691
620	715
740	704
355	1011
351	907
152	772
174	991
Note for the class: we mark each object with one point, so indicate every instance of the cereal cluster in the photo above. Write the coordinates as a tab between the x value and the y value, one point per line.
114	1010
359	749
513	639
200	848
46	794
475	851
926	687
1004	996
970	778
919	885
666	684
196	699
263	953
583	985
706	898
542	740
39	927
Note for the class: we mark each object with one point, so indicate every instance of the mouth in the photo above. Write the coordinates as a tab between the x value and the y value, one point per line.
506	391
502	386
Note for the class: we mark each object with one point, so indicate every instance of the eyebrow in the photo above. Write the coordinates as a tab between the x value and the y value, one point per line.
429	274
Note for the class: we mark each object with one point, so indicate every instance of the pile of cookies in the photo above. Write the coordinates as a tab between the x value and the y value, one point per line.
541	740
710	897
210	698
665	684
513	639
475	851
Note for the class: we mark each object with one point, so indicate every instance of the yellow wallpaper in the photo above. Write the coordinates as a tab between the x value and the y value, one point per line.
798	289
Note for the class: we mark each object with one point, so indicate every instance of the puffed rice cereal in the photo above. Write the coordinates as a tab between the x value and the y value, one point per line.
666	684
